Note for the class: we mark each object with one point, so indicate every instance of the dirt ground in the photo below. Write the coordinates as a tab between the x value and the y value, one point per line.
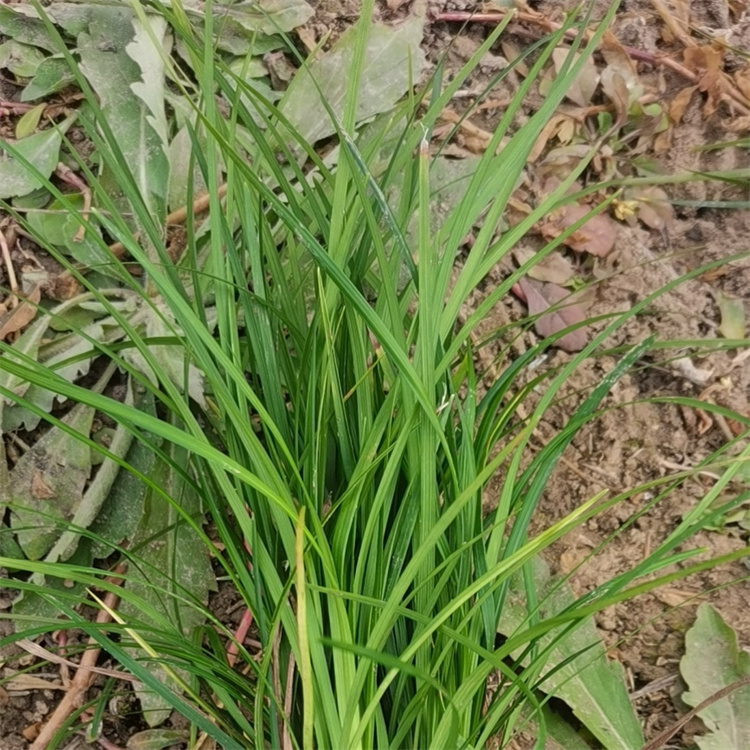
637	442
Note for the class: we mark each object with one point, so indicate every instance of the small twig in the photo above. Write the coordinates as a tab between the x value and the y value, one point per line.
85	674
239	637
659	740
12	280
200	205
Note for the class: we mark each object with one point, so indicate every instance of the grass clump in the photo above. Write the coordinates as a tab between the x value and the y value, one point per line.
303	411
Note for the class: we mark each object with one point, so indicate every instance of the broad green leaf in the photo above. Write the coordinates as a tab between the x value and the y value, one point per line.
122	511
180	152
16	25
712	661
119	81
52	75
42	150
171	359
27	124
172	558
591	684
393	62
58	226
21	59
267	16
96	493
49	479
39	608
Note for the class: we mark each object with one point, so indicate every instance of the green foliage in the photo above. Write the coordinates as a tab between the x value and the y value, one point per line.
714	661
302	379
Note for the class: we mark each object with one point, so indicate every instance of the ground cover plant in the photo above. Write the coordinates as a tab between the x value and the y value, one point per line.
276	389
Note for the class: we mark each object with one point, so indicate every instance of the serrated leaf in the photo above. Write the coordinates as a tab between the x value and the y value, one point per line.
714	661
47	483
112	73
171	557
393	61
52	75
591	684
42	150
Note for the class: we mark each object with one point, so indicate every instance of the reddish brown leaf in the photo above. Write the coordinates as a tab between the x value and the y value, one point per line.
22	315
597	236
540	297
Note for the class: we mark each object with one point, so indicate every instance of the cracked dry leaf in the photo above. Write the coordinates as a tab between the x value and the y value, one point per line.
596	237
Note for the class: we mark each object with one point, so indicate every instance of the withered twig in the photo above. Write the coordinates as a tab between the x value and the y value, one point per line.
85	674
200	205
12	280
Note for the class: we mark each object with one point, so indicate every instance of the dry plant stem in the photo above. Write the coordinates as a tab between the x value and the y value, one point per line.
239	637
12	280
731	95
84	676
71	178
673	24
286	740
178	217
661	739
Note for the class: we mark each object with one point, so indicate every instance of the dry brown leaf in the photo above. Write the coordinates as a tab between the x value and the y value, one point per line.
39	488
679	104
555	268
21	315
742	81
654	208
616	55
596	237
738	124
705	61
582	89
540	297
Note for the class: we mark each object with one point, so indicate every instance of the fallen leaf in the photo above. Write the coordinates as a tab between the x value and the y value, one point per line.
40	490
22	315
540	297
654	208
713	660
596	237
679	104
41	150
583	86
555	268
393	61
